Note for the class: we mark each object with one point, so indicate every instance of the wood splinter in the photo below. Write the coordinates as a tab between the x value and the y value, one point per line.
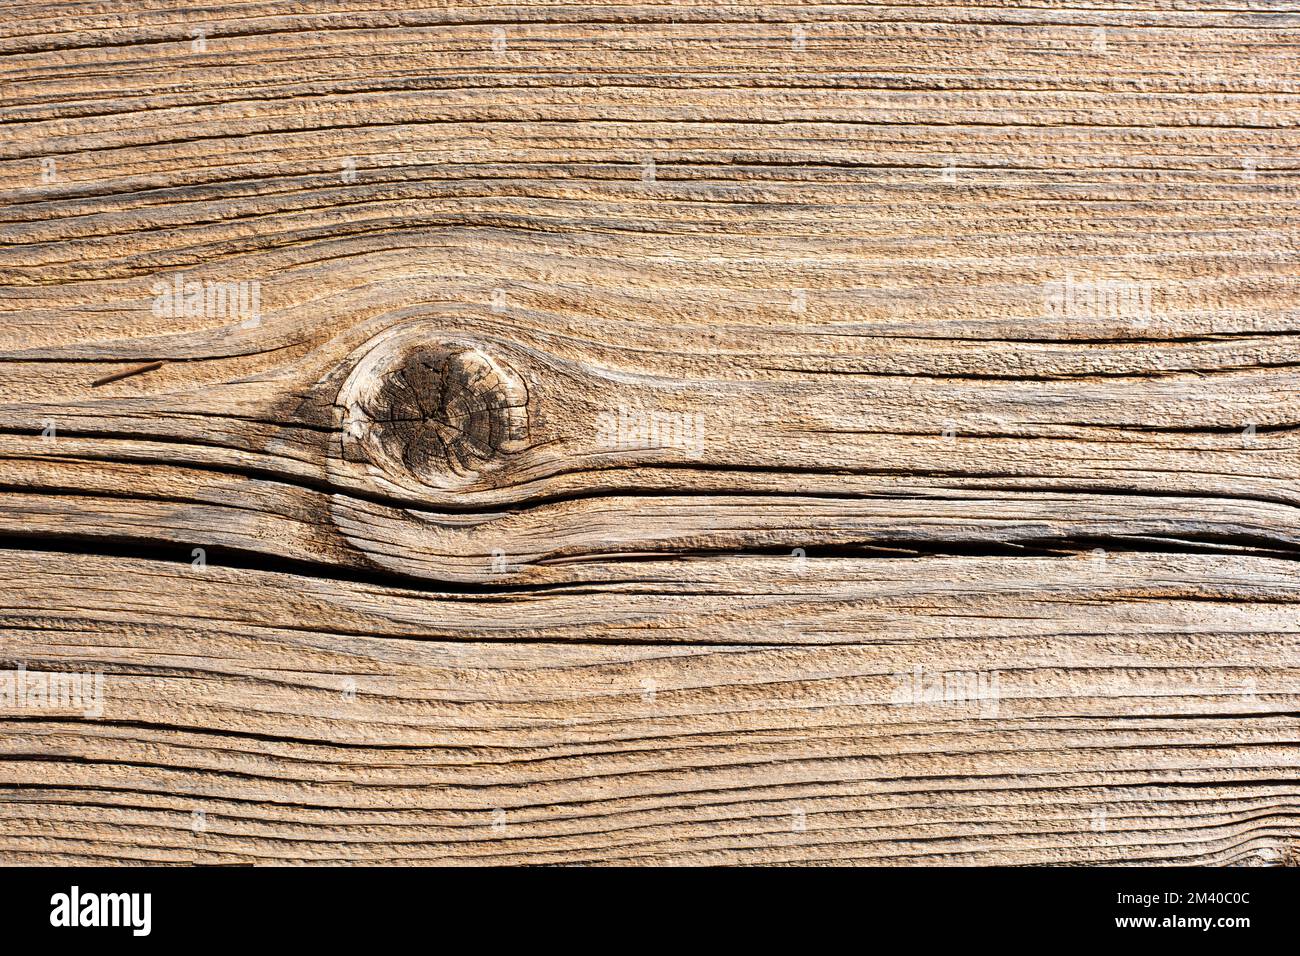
118	376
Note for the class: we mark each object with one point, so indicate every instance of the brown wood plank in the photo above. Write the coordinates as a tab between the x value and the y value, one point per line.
1087	718
747	433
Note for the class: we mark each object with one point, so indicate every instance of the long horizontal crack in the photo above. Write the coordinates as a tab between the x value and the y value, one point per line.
1038	548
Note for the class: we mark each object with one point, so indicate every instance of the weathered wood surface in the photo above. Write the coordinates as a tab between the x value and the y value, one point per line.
643	408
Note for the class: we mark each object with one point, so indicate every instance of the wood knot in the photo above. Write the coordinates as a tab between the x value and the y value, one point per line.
442	413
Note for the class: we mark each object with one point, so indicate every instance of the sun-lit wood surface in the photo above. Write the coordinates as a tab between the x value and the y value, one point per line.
672	433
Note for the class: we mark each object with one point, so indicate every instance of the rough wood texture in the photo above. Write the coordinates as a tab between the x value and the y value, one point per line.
651	433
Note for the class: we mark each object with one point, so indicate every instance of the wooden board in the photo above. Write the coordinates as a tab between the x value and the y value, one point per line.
650	433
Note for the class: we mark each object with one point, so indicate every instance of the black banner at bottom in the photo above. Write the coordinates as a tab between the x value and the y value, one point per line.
340	906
